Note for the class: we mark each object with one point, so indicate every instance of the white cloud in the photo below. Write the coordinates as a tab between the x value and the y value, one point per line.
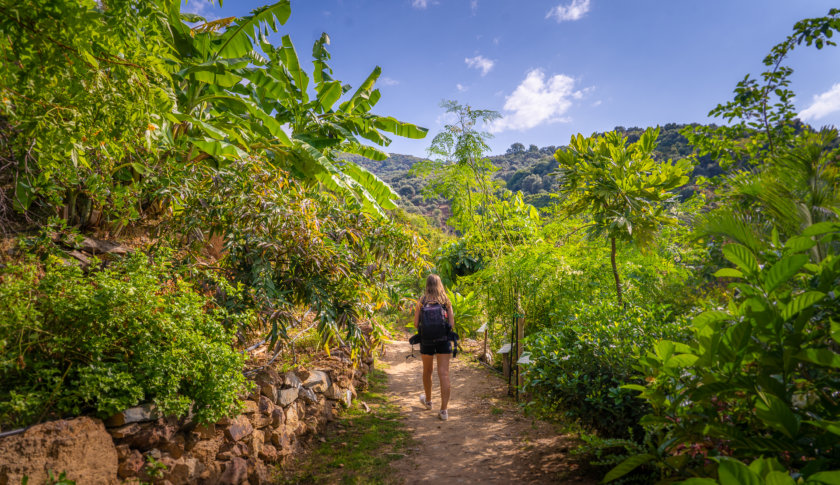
473	6
202	8
461	88
573	11
387	81
536	101
823	104
481	63
421	4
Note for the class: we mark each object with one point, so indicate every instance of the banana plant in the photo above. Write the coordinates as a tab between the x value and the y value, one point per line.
235	101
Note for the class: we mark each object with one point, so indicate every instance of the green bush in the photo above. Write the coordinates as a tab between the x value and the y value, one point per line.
73	343
580	365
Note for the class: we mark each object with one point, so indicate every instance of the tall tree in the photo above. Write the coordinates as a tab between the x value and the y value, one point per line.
620	186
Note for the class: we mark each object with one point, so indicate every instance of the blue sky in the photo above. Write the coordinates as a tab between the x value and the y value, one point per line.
554	68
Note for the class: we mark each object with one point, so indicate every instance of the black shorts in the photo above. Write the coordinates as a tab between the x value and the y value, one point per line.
433	348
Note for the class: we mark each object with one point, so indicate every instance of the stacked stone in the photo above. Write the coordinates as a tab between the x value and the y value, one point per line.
280	413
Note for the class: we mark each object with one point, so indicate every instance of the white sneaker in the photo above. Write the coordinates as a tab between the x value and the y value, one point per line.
443	415
424	402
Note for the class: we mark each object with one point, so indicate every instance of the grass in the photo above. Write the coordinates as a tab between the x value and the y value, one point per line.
359	446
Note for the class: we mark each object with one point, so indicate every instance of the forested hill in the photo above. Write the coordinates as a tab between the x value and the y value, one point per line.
521	168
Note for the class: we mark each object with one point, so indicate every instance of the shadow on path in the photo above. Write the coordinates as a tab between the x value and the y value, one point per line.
485	440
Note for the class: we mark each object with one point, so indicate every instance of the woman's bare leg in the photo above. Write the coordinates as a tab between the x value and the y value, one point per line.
443	375
428	363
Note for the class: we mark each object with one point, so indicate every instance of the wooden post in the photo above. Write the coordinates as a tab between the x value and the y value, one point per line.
506	366
520	334
484	355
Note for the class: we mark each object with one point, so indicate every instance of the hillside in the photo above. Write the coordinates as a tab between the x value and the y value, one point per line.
526	169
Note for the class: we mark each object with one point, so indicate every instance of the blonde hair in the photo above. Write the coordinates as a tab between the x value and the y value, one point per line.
435	291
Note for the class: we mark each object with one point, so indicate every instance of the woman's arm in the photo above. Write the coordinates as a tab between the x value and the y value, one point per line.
417	315
451	315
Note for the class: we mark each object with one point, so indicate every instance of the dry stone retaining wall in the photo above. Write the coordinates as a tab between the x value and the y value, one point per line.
282	412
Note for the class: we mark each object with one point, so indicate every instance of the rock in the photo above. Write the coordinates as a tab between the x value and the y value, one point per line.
268	380
99	246
277	418
124	431
255	443
138	414
287	396
228	451
333	392
205	431
346	398
80	447
123	451
206	450
131	465
183	470
317	380
239	428
151	435
175	447
292	419
250	407
235	472
281	441
269	453
291	380
257	472
308	395
329	415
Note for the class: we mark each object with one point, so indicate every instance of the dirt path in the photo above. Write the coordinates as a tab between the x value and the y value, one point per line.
485	440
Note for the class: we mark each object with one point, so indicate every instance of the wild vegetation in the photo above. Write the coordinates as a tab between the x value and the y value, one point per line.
673	289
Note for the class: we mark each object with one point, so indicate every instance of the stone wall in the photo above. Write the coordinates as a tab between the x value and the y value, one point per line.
283	412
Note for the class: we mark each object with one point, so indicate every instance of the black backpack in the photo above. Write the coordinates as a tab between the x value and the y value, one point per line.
433	324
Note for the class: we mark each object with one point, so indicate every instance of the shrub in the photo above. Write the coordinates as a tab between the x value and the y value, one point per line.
101	342
580	365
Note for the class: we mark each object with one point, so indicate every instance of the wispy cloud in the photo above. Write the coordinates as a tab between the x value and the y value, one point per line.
421	4
387	81
823	104
536	101
473	6
461	88
481	63
202	8
573	11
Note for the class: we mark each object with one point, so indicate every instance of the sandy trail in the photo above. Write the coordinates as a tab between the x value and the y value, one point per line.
485	440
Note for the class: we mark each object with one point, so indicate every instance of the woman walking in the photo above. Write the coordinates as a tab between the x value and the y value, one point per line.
434	319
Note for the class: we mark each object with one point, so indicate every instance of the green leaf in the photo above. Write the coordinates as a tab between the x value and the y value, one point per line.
741	256
800	303
821	357
709	317
821	228
830	426
698	481
799	244
776	414
733	472
824	478
728	273
399	128
237	40
328	94
292	63
778	478
681	360
783	270
627	466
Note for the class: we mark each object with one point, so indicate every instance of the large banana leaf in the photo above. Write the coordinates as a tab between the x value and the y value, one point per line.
238	40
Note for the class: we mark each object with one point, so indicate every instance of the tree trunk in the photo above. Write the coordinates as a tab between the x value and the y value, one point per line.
615	272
